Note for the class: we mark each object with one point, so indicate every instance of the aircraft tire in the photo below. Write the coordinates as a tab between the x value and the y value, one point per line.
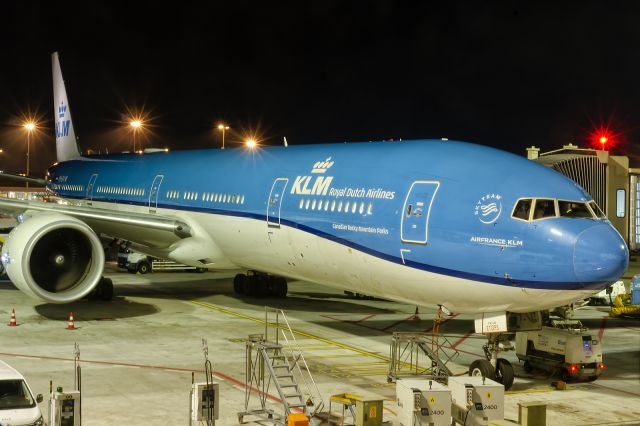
262	286
246	285
280	287
504	373
482	368
238	283
106	290
103	291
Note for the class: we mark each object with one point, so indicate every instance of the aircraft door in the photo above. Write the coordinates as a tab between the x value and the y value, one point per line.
153	193
275	202
92	182
414	225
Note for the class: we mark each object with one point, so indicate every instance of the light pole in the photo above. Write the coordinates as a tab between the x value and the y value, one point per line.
136	125
29	127
224	128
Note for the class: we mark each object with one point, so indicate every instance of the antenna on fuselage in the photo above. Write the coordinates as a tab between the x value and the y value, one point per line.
286	144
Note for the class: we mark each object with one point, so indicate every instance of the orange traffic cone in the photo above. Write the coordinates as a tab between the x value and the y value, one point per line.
71	325
13	322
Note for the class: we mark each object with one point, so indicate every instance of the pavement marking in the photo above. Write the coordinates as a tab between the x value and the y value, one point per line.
355	323
365	318
334	356
295	331
528	391
614	389
217	374
462	339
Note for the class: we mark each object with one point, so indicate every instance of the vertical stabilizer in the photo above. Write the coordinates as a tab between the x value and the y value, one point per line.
66	144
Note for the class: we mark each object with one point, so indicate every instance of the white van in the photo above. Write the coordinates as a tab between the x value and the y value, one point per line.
17	405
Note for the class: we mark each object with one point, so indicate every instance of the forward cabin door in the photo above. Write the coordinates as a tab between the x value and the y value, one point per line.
90	185
153	193
414	224
274	203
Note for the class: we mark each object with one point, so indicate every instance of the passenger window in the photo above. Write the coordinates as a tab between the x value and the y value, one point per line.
574	209
313	205
369	208
346	207
333	205
301	203
522	209
339	206
544	208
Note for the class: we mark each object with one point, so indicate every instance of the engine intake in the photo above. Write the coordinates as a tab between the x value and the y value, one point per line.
53	257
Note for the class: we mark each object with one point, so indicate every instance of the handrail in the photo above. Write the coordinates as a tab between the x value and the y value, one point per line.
293	347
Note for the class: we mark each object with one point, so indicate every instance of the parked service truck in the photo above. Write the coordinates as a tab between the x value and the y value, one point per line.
565	347
134	261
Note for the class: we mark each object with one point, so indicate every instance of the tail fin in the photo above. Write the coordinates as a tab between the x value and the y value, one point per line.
66	144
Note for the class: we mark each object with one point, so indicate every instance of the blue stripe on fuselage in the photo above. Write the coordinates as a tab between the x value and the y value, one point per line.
376	173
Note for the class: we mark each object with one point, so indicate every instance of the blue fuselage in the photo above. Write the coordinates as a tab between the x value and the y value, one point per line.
440	206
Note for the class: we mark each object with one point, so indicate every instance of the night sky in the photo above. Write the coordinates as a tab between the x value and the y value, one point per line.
502	74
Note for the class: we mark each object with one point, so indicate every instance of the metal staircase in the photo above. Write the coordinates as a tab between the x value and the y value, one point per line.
406	349
280	362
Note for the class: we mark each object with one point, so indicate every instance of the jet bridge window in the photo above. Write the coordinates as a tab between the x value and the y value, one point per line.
574	209
522	209
544	208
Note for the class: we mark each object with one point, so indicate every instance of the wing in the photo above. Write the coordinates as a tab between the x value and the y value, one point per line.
144	229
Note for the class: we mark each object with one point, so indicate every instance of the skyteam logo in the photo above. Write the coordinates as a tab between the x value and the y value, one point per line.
319	186
62	125
488	208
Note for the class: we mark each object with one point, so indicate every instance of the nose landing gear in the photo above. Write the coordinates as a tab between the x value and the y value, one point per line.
494	368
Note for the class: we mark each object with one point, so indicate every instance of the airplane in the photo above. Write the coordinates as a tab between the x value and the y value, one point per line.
437	223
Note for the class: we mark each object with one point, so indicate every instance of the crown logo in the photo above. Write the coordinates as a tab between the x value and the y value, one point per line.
322	166
62	109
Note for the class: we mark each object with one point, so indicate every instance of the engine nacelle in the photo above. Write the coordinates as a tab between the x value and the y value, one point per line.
53	257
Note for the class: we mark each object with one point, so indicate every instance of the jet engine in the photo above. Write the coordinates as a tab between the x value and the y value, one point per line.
53	257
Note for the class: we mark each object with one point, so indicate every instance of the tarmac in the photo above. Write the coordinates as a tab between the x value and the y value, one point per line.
138	351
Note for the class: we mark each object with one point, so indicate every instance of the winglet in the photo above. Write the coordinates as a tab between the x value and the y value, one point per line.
66	143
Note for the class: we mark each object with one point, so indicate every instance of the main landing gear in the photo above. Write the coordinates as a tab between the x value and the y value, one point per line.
103	291
257	284
494	368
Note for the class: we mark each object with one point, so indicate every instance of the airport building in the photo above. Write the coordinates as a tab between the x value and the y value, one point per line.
609	179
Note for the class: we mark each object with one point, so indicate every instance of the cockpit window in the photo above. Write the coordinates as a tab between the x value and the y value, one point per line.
522	209
544	208
596	210
574	209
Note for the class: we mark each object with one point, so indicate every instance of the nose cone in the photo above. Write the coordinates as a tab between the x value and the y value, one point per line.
600	255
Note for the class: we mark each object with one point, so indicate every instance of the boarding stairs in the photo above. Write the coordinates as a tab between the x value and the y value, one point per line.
405	356
278	361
